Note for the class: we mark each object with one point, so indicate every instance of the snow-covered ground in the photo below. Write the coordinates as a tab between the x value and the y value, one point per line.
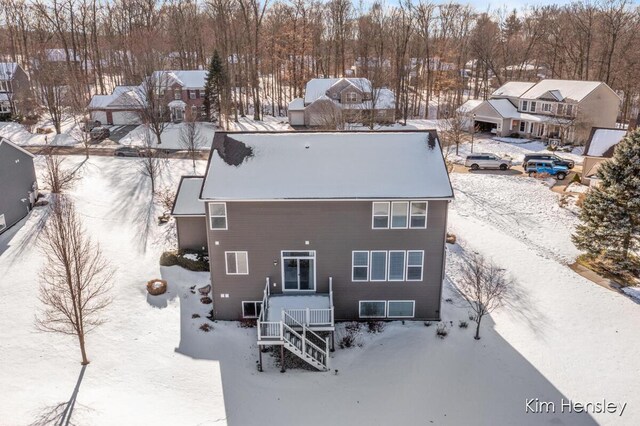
561	337
19	135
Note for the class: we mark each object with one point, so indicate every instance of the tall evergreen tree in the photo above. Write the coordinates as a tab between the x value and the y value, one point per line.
215	88
610	215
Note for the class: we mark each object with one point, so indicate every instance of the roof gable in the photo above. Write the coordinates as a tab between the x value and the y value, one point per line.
7	142
602	142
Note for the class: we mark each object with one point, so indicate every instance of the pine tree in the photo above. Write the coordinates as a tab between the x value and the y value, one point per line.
610	216
215	88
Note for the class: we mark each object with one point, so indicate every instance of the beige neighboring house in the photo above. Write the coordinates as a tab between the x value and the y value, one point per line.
329	101
559	111
599	148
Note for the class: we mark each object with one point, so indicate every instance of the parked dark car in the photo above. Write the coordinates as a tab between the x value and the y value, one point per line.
550	157
127	151
99	133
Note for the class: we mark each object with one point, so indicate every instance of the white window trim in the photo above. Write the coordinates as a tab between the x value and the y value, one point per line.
352	97
532	106
256	302
360	302
226	262
192	94
370	268
3	222
354	266
413	312
391	215
524	105
404	266
523	124
406	272
426	212
373	215
311	254
226	220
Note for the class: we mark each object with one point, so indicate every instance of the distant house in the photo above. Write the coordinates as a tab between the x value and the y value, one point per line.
183	93
328	101
18	185
556	110
14	83
306	228
599	147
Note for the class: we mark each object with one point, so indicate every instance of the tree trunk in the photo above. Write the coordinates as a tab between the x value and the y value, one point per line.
85	361
477	336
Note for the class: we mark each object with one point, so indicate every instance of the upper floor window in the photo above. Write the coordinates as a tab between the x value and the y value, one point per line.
525	105
418	214
192	94
570	110
360	261
415	260
533	107
399	212
380	215
546	107
177	95
352	97
218	215
560	109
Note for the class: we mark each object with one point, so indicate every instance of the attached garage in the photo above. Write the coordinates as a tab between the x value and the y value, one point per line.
487	124
124	118
296	118
100	116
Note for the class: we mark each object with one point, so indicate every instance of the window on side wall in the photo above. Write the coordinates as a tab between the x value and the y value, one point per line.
401	308
396	265
415	261
218	215
380	215
251	309
192	94
399	213
237	262
360	266
533	107
525	105
418	214
373	309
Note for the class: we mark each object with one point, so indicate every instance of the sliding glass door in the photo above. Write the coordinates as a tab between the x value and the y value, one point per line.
298	270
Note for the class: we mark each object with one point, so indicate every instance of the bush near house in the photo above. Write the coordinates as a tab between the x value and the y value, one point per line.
192	260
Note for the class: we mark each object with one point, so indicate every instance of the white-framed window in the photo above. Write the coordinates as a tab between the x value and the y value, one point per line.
560	109
373	308
237	262
418	217
525	105
192	94
570	110
415	262
4	86
399	214
352	97
251	309
546	107
396	265
3	222
378	265
380	215
522	126
360	266
533	106
177	94
218	215
401	308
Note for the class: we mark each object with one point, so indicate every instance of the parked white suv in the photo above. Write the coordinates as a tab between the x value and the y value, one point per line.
487	161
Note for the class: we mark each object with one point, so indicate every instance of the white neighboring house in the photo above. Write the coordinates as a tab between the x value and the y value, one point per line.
560	111
599	148
183	92
328	100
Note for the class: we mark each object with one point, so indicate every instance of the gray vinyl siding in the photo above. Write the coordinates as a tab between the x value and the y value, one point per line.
333	229
192	232
16	180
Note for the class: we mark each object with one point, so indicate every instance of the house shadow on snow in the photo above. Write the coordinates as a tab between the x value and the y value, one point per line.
405	373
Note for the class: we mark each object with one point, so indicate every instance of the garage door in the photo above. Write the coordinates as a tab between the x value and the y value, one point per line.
296	118
123	118
100	116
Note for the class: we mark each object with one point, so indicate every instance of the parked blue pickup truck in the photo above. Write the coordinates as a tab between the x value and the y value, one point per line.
536	167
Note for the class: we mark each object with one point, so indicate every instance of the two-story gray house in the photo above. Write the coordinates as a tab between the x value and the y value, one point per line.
304	229
18	185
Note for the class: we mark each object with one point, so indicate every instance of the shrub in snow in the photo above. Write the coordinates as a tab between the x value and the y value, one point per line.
375	326
210	315
189	259
247	323
194	316
463	324
448	300
353	327
451	238
441	330
347	341
206	327
156	286
206	300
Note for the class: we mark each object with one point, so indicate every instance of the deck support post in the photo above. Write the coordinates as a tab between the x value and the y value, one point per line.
282	369
333	343
259	358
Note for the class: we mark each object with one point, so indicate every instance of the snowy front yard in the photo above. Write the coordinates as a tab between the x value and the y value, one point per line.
562	337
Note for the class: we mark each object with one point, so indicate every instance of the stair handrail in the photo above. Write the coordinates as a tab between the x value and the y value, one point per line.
285	315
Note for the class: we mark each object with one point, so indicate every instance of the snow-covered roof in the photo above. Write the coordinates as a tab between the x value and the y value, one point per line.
8	142
326	165
187	201
296	105
512	89
122	96
575	90
177	104
603	141
7	70
469	106
317	87
504	107
193	79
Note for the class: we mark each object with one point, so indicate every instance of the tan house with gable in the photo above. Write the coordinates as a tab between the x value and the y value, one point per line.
559	111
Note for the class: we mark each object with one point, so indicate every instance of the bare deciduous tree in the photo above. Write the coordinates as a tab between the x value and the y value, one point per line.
191	137
57	177
455	128
153	110
483	286
151	160
76	277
